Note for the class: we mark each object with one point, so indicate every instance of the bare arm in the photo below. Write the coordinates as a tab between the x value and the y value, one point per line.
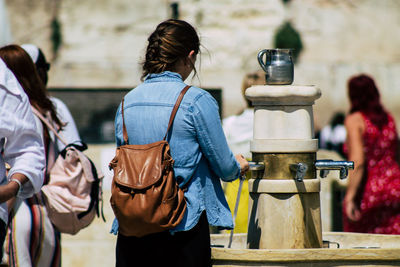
355	128
10	190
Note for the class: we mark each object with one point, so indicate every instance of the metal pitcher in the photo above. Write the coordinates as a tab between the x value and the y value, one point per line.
278	66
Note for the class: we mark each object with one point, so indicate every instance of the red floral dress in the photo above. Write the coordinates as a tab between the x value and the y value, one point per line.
379	199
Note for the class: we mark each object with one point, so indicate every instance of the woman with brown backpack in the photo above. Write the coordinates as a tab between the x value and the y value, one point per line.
198	148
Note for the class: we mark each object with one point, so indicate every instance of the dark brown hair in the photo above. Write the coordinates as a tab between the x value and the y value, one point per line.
364	97
172	40
21	64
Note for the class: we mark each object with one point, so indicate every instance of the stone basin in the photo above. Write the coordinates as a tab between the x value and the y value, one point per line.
345	249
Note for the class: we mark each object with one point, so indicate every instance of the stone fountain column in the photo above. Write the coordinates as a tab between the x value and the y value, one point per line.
284	204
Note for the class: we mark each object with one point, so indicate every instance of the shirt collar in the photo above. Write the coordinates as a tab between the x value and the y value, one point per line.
163	77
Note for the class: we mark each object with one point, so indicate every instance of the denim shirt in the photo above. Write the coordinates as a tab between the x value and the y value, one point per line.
197	141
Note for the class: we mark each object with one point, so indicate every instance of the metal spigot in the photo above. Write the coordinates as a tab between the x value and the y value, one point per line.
256	166
300	169
326	165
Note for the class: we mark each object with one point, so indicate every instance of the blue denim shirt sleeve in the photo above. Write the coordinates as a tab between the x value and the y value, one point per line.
211	138
114	227
118	128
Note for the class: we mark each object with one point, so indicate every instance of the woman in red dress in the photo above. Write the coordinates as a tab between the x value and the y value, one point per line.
372	200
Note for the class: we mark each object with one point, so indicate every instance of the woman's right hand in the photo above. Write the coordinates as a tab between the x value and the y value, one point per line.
244	164
352	211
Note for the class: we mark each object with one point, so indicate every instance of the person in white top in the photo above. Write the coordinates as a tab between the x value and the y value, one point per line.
239	128
21	146
70	131
239	131
33	240
333	135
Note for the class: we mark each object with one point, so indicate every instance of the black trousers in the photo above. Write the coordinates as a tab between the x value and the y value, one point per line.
183	249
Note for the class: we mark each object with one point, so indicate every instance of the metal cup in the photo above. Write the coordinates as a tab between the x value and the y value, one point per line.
278	66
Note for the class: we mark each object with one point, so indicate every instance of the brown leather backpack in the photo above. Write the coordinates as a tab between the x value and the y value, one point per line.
145	196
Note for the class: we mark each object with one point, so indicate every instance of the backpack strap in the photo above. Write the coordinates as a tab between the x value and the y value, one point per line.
171	118
175	109
124	132
48	124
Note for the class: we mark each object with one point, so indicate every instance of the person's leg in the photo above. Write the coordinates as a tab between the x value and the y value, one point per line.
125	246
32	239
192	248
149	251
20	244
49	253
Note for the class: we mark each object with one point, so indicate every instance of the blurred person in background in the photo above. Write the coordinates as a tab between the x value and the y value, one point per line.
21	147
238	130
372	200
333	135
70	131
33	240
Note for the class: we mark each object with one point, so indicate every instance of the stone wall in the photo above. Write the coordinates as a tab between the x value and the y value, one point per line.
104	42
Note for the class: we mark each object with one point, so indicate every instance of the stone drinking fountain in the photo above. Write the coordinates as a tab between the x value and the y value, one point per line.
284	226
